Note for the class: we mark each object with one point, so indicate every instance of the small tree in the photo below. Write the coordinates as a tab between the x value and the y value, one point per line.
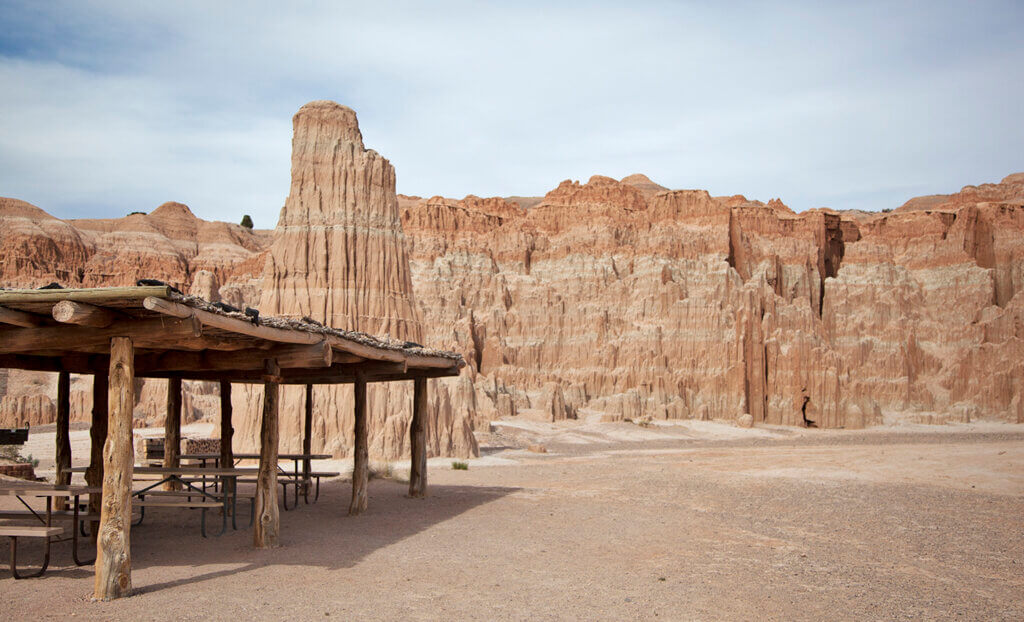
247	221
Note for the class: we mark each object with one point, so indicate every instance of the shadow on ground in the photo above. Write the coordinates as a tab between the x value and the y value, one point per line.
319	534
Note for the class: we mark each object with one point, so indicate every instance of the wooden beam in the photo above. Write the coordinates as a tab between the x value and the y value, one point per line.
307	432
97	437
227	433
418	440
245	327
361	452
267	525
172	429
84	314
113	546
96	295
331	375
76	364
151	333
21	318
63	439
234	325
314	356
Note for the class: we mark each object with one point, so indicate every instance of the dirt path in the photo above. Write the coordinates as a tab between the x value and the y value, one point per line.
869	526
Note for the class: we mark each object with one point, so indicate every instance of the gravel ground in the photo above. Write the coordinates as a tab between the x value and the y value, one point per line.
874	525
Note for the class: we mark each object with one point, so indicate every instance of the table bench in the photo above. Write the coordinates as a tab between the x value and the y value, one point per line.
172	499
29	531
62	514
46	529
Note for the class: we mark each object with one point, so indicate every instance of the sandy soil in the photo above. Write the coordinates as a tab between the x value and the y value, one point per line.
695	521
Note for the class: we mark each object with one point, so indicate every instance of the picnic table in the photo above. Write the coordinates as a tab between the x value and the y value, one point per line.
46	530
303	477
186	476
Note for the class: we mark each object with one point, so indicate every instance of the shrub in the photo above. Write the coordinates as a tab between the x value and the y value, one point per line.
460	466
246	221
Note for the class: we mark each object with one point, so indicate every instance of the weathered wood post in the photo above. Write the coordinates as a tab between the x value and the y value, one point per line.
265	533
97	437
62	455
113	546
418	440
172	430
307	434
227	434
361	452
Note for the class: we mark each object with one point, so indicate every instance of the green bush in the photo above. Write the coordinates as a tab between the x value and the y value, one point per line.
246	221
460	466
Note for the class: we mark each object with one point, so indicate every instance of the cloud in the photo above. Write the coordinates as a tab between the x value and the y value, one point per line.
111	108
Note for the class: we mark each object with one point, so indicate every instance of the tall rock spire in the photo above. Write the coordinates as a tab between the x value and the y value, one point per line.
339	253
339	256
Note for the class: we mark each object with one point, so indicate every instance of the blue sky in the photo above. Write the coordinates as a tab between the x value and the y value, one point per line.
108	108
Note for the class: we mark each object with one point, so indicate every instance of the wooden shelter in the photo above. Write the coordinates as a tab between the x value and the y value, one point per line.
119	334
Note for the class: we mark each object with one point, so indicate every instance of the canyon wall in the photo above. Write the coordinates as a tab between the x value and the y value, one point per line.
635	301
607	299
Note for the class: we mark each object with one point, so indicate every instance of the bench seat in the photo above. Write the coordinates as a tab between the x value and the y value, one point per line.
29	531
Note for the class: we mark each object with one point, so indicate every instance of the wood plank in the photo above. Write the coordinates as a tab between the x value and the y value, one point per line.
303	376
113	546
361	452
267	524
84	314
21	318
62	436
223	322
97	438
316	356
30	531
418	440
150	333
96	295
234	325
172	429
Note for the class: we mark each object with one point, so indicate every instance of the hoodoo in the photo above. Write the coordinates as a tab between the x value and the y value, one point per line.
339	257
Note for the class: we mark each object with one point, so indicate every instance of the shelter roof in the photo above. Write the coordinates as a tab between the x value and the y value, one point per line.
188	337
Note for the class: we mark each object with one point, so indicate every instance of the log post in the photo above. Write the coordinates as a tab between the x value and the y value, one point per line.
63	437
265	533
113	546
97	436
172	430
361	453
418	440
307	433
227	433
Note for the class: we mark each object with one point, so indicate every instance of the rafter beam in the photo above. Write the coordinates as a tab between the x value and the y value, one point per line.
159	333
245	327
90	294
288	356
21	318
84	314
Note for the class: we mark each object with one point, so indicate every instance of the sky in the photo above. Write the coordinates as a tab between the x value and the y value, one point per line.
108	108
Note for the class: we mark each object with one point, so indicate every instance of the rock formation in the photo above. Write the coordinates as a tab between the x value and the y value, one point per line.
339	257
613	298
676	304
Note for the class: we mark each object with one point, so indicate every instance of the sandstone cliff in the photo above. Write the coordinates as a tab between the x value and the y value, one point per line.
611	298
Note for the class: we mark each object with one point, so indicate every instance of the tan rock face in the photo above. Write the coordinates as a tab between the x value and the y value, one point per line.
678	304
615	298
339	256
